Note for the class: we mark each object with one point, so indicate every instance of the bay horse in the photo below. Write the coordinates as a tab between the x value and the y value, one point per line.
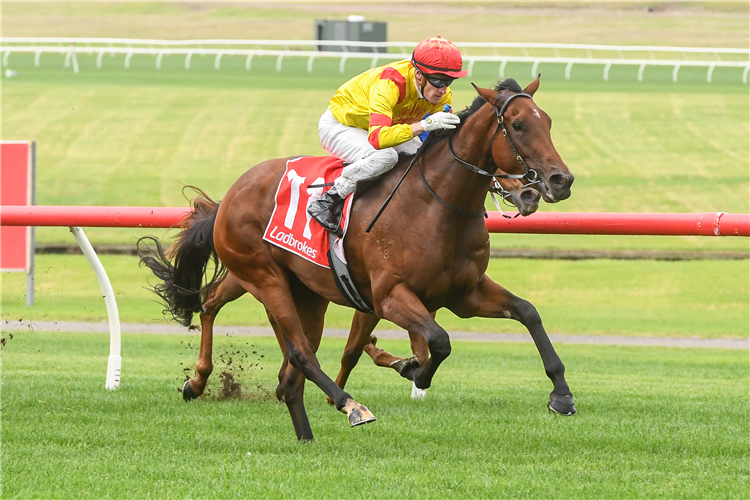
404	270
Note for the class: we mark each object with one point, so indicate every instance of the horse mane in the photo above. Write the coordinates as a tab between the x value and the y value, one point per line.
440	135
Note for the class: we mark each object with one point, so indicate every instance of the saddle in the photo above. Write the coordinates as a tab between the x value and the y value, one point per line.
292	228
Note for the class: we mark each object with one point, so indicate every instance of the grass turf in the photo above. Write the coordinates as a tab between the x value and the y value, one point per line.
652	423
597	297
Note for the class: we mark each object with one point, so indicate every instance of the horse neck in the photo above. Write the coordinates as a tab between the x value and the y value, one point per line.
453	182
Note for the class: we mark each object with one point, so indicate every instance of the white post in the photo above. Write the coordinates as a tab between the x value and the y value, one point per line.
567	70
640	72
115	360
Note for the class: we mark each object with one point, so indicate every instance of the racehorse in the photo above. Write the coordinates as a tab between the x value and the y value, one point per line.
405	270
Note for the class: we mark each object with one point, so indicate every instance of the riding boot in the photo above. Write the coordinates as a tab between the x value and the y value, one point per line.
327	210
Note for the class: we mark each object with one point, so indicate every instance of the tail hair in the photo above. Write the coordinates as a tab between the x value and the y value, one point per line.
182	268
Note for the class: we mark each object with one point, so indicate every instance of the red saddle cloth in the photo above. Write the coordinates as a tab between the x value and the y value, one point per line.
291	227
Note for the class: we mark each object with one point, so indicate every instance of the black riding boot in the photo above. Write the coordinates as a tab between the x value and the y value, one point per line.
327	211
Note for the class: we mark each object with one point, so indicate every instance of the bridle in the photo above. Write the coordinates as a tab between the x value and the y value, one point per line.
530	175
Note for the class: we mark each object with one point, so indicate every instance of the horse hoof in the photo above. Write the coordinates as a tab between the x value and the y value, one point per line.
360	415
561	405
187	391
406	367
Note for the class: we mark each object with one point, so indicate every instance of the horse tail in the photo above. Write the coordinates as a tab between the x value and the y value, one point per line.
183	266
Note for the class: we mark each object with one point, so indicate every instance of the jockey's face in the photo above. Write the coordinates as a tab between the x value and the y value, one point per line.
430	92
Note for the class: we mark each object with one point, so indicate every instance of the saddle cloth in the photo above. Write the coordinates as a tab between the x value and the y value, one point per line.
291	227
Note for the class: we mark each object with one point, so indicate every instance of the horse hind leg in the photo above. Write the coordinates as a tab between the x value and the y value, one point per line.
225	291
359	337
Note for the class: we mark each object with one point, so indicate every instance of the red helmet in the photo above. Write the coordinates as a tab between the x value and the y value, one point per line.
438	56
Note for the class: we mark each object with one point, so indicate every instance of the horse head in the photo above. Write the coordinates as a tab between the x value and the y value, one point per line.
526	128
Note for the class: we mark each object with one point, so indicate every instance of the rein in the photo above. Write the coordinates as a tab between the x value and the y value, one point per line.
530	174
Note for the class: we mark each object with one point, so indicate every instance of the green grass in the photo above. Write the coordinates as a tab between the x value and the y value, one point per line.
652	423
706	299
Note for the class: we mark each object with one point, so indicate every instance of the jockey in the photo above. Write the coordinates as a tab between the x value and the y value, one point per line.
380	113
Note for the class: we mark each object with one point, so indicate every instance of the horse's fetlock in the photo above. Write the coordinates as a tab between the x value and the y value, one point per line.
204	369
341	400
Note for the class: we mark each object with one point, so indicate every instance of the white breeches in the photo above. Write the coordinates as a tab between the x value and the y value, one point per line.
351	145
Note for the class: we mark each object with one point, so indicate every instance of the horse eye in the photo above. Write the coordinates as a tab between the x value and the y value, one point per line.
517	126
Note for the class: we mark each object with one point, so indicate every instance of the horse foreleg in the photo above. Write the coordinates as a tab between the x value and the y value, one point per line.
293	318
222	293
403	307
490	300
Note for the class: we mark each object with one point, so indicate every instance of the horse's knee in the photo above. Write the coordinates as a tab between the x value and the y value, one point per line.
440	345
525	312
302	357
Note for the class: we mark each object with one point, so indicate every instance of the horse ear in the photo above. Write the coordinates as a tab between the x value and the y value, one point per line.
533	86
488	95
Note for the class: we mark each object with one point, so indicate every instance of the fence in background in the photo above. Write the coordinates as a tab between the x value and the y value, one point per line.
500	53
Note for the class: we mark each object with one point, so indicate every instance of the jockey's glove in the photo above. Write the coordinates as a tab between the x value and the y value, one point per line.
440	120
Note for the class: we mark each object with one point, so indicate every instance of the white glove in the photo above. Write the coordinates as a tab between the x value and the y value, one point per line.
440	120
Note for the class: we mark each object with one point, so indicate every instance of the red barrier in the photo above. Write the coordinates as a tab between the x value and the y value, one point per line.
700	224
92	216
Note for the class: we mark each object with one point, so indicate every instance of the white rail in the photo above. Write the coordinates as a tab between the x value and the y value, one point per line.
502	53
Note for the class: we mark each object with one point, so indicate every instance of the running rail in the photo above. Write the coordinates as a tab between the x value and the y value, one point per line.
502	53
700	224
646	224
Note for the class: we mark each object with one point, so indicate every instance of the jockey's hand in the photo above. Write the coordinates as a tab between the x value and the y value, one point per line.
440	120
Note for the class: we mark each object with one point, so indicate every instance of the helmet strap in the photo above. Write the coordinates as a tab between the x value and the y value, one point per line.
421	89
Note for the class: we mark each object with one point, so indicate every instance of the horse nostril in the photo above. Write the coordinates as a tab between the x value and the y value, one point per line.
560	181
530	196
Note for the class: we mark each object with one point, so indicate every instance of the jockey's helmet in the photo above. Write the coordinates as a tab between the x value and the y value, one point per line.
438	56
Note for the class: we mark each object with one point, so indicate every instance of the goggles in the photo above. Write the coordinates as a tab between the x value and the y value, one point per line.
437	82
